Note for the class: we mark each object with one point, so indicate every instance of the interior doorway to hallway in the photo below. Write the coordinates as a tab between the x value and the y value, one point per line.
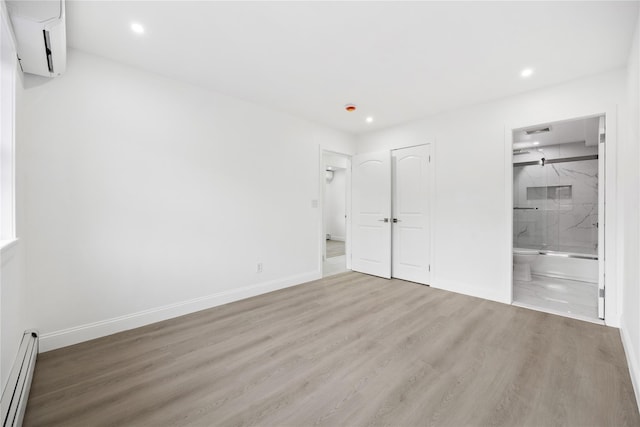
336	185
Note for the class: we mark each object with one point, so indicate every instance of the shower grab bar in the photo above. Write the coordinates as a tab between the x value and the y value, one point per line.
525	209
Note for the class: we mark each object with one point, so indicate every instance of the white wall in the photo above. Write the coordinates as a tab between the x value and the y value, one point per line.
334	159
148	198
13	319
14	302
630	217
472	160
335	210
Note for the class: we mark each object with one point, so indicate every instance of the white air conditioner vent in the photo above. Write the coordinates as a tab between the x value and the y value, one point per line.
41	35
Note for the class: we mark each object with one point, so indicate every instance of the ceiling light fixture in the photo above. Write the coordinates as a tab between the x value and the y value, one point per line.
369	119
137	28
527	72
536	143
350	107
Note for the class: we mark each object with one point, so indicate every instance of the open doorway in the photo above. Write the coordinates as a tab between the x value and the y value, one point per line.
558	217
336	177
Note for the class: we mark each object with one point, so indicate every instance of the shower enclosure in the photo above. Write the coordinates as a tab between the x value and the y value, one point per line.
556	205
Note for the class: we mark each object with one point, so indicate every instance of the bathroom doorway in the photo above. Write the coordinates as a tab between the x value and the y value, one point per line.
558	217
336	182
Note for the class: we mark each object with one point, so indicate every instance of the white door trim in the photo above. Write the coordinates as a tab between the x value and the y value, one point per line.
602	215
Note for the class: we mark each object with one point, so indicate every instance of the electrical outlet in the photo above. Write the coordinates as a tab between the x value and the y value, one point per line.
259	268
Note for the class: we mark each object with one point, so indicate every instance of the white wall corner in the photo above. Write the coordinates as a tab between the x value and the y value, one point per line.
86	332
632	362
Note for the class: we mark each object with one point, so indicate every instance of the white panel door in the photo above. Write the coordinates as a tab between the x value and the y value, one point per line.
371	214
411	218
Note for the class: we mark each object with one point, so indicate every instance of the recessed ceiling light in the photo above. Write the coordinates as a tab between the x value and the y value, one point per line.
137	28
527	72
536	143
369	119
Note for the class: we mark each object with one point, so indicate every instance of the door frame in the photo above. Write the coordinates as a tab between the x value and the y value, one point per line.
606	183
322	187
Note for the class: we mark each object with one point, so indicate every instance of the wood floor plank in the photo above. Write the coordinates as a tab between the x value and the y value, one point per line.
335	248
345	350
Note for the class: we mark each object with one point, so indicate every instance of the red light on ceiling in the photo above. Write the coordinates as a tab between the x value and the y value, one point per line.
350	107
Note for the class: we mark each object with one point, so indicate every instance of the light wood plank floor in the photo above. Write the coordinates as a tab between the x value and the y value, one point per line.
335	248
345	350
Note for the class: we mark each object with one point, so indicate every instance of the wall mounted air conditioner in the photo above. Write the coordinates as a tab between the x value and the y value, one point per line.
41	35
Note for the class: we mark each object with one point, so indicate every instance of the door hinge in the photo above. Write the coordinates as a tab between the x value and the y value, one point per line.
429	158
429	267
601	293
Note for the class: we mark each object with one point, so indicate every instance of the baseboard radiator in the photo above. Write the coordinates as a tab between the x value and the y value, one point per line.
16	392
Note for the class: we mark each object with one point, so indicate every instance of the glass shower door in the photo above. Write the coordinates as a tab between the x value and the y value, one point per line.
530	219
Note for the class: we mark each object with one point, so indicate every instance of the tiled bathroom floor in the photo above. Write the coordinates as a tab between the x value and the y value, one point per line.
558	296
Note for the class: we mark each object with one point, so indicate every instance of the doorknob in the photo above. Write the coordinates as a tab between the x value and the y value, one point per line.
384	220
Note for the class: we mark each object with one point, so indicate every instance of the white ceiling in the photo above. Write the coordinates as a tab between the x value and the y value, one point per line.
397	61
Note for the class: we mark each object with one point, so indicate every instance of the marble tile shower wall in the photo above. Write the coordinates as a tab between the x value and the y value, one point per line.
565	219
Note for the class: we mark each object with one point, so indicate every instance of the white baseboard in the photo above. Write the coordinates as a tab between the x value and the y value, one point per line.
75	335
632	362
16	393
462	288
